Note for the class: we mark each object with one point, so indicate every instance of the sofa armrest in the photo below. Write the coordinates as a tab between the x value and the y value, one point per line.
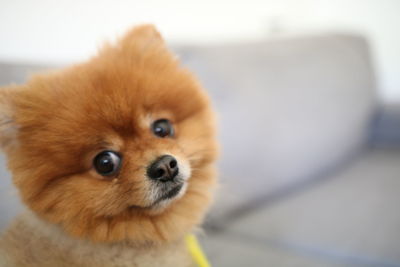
386	127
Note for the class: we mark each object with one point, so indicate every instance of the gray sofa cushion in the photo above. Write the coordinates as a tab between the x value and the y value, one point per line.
350	219
288	108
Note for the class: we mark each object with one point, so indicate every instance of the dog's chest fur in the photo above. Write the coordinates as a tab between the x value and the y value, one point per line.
32	242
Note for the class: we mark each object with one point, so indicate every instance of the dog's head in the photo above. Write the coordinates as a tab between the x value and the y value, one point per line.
118	148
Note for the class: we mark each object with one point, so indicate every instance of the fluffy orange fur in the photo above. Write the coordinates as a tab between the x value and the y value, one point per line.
53	126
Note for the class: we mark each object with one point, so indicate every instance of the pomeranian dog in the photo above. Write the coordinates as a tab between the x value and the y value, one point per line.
114	158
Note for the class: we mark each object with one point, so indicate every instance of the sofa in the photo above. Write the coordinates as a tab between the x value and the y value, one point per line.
310	159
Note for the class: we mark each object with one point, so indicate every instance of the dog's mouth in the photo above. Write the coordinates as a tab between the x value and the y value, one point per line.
171	193
166	194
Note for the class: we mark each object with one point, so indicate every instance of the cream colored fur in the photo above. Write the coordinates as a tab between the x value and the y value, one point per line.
32	242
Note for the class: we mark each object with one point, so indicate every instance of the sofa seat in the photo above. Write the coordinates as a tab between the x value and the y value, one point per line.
350	218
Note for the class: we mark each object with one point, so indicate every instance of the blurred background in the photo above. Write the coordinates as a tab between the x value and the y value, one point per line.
308	97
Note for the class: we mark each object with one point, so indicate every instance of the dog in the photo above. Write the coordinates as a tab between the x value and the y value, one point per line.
114	159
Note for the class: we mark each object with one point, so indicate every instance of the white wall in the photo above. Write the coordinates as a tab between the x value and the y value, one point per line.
50	31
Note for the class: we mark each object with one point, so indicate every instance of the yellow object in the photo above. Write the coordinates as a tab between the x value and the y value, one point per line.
196	251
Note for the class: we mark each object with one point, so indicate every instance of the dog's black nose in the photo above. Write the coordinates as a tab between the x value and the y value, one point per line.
163	169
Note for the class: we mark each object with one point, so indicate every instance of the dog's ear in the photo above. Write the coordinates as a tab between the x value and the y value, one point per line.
142	37
8	126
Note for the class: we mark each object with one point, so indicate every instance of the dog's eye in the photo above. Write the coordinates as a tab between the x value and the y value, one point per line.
162	128
107	163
